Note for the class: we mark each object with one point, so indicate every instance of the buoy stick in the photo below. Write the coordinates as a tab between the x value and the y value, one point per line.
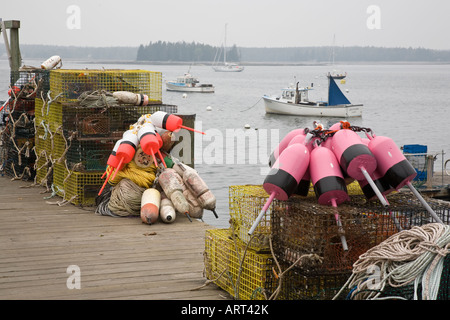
162	159
262	213
117	169
154	158
191	129
106	171
424	203
187	215
374	187
104	184
393	217
339	224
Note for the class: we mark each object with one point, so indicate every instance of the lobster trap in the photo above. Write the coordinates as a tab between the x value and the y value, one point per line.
301	226
78	188
17	145
30	83
296	285
67	85
243	273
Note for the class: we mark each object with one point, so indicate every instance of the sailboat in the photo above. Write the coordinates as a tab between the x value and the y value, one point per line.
335	74
227	67
295	102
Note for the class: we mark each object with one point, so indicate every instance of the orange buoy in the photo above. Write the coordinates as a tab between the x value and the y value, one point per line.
150	202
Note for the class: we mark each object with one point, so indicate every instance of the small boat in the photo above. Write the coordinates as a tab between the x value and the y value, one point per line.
295	102
187	83
339	75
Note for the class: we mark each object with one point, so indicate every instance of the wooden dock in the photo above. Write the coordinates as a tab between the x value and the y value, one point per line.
118	258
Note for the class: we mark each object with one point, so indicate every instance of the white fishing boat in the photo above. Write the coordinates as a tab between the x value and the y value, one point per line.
294	101
187	83
226	66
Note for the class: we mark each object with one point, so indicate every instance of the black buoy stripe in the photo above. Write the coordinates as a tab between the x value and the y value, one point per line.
147	133
164	122
282	179
130	143
351	153
330	183
399	172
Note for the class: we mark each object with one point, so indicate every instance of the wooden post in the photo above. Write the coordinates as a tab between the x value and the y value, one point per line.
12	47
430	168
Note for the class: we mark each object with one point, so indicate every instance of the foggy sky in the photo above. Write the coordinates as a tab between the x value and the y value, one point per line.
251	23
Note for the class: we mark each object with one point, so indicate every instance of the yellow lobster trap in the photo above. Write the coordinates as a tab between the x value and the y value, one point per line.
240	271
68	84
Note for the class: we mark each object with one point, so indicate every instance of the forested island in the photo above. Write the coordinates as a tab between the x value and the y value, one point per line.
177	52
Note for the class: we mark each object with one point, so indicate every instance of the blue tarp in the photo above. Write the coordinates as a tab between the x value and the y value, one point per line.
335	95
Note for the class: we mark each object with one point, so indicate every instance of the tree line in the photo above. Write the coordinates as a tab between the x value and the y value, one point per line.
196	52
191	52
184	51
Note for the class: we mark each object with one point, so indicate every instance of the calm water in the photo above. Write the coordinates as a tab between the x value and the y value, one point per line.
409	103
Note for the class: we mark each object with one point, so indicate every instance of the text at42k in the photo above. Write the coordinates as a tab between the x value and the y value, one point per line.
241	309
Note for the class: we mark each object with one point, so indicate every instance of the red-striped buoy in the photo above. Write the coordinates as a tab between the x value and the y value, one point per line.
170	122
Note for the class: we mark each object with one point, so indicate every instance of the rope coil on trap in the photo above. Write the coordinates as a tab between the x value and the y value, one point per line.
415	256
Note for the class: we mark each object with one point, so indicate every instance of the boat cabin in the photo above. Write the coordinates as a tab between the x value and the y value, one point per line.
289	94
187	79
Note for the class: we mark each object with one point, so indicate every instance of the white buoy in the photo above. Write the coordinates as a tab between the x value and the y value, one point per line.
247	126
184	95
208	108
346	90
51	63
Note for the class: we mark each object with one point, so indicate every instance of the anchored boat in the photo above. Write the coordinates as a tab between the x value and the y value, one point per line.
295	101
187	83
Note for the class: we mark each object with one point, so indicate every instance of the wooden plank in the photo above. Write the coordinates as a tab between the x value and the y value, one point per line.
119	258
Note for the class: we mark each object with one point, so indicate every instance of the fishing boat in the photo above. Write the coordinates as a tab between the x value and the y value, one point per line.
226	66
295	102
187	83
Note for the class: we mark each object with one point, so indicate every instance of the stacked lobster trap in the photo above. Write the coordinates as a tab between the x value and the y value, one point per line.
61	125
299	238
78	123
17	123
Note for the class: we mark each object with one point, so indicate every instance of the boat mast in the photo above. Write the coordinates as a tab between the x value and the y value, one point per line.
225	46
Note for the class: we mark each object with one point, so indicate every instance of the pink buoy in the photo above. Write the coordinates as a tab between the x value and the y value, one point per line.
284	176
352	154
284	144
355	158
327	177
381	183
392	164
397	170
329	183
305	181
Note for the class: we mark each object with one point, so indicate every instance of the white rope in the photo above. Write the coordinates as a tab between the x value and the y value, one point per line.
410	256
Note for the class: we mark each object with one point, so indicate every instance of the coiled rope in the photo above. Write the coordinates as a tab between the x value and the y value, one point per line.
410	256
125	199
143	177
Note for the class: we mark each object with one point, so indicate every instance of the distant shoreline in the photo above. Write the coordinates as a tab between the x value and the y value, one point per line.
243	63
